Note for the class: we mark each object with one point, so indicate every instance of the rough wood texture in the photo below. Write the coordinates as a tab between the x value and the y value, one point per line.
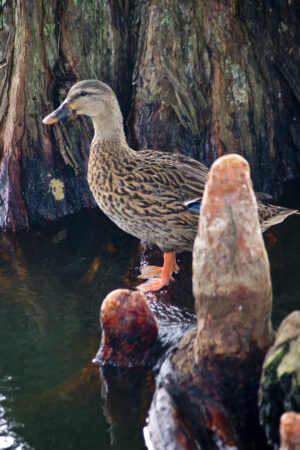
229	254
213	373
198	77
212	77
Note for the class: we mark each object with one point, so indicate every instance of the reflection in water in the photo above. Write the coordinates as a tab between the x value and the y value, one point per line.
284	259
126	397
52	282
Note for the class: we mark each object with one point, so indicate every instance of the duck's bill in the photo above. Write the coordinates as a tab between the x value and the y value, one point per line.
60	113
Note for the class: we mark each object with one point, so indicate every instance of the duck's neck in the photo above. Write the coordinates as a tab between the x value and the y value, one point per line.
109	127
109	146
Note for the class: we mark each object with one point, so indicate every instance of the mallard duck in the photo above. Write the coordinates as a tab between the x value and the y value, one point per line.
152	195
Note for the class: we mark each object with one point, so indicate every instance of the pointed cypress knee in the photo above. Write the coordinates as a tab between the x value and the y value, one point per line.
231	275
213	374
290	431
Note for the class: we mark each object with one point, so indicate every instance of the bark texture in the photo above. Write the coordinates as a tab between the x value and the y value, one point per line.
199	77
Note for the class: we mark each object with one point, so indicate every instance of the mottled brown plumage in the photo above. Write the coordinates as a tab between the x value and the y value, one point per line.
146	193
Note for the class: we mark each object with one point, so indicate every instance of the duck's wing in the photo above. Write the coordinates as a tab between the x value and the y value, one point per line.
263	197
179	182
183	175
169	176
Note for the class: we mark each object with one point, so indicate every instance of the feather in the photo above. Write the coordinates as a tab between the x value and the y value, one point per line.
152	195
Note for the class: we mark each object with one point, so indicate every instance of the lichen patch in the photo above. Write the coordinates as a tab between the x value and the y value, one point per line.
56	187
238	86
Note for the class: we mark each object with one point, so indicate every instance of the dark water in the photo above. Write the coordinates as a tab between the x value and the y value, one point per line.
52	283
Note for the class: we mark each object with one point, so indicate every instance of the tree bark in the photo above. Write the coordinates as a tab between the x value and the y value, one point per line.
203	78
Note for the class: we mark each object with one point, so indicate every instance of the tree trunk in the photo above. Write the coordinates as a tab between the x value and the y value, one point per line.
199	77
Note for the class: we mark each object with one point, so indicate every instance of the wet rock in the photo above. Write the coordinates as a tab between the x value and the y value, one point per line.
212	375
129	329
280	381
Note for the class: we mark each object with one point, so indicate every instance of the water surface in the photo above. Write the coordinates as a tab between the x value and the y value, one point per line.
52	283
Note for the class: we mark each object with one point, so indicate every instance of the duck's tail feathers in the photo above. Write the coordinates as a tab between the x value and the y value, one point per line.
272	215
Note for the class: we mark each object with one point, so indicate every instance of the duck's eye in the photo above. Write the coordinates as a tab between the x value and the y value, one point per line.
83	93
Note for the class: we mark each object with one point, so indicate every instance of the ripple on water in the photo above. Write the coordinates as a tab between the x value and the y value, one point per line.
51	287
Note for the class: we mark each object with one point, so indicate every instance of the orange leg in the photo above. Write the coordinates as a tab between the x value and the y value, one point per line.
159	276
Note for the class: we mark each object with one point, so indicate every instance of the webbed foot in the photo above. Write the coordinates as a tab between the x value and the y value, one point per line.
158	277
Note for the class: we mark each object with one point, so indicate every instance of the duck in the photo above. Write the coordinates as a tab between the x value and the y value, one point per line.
152	195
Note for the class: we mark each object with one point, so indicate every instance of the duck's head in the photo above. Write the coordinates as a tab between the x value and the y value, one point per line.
95	99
